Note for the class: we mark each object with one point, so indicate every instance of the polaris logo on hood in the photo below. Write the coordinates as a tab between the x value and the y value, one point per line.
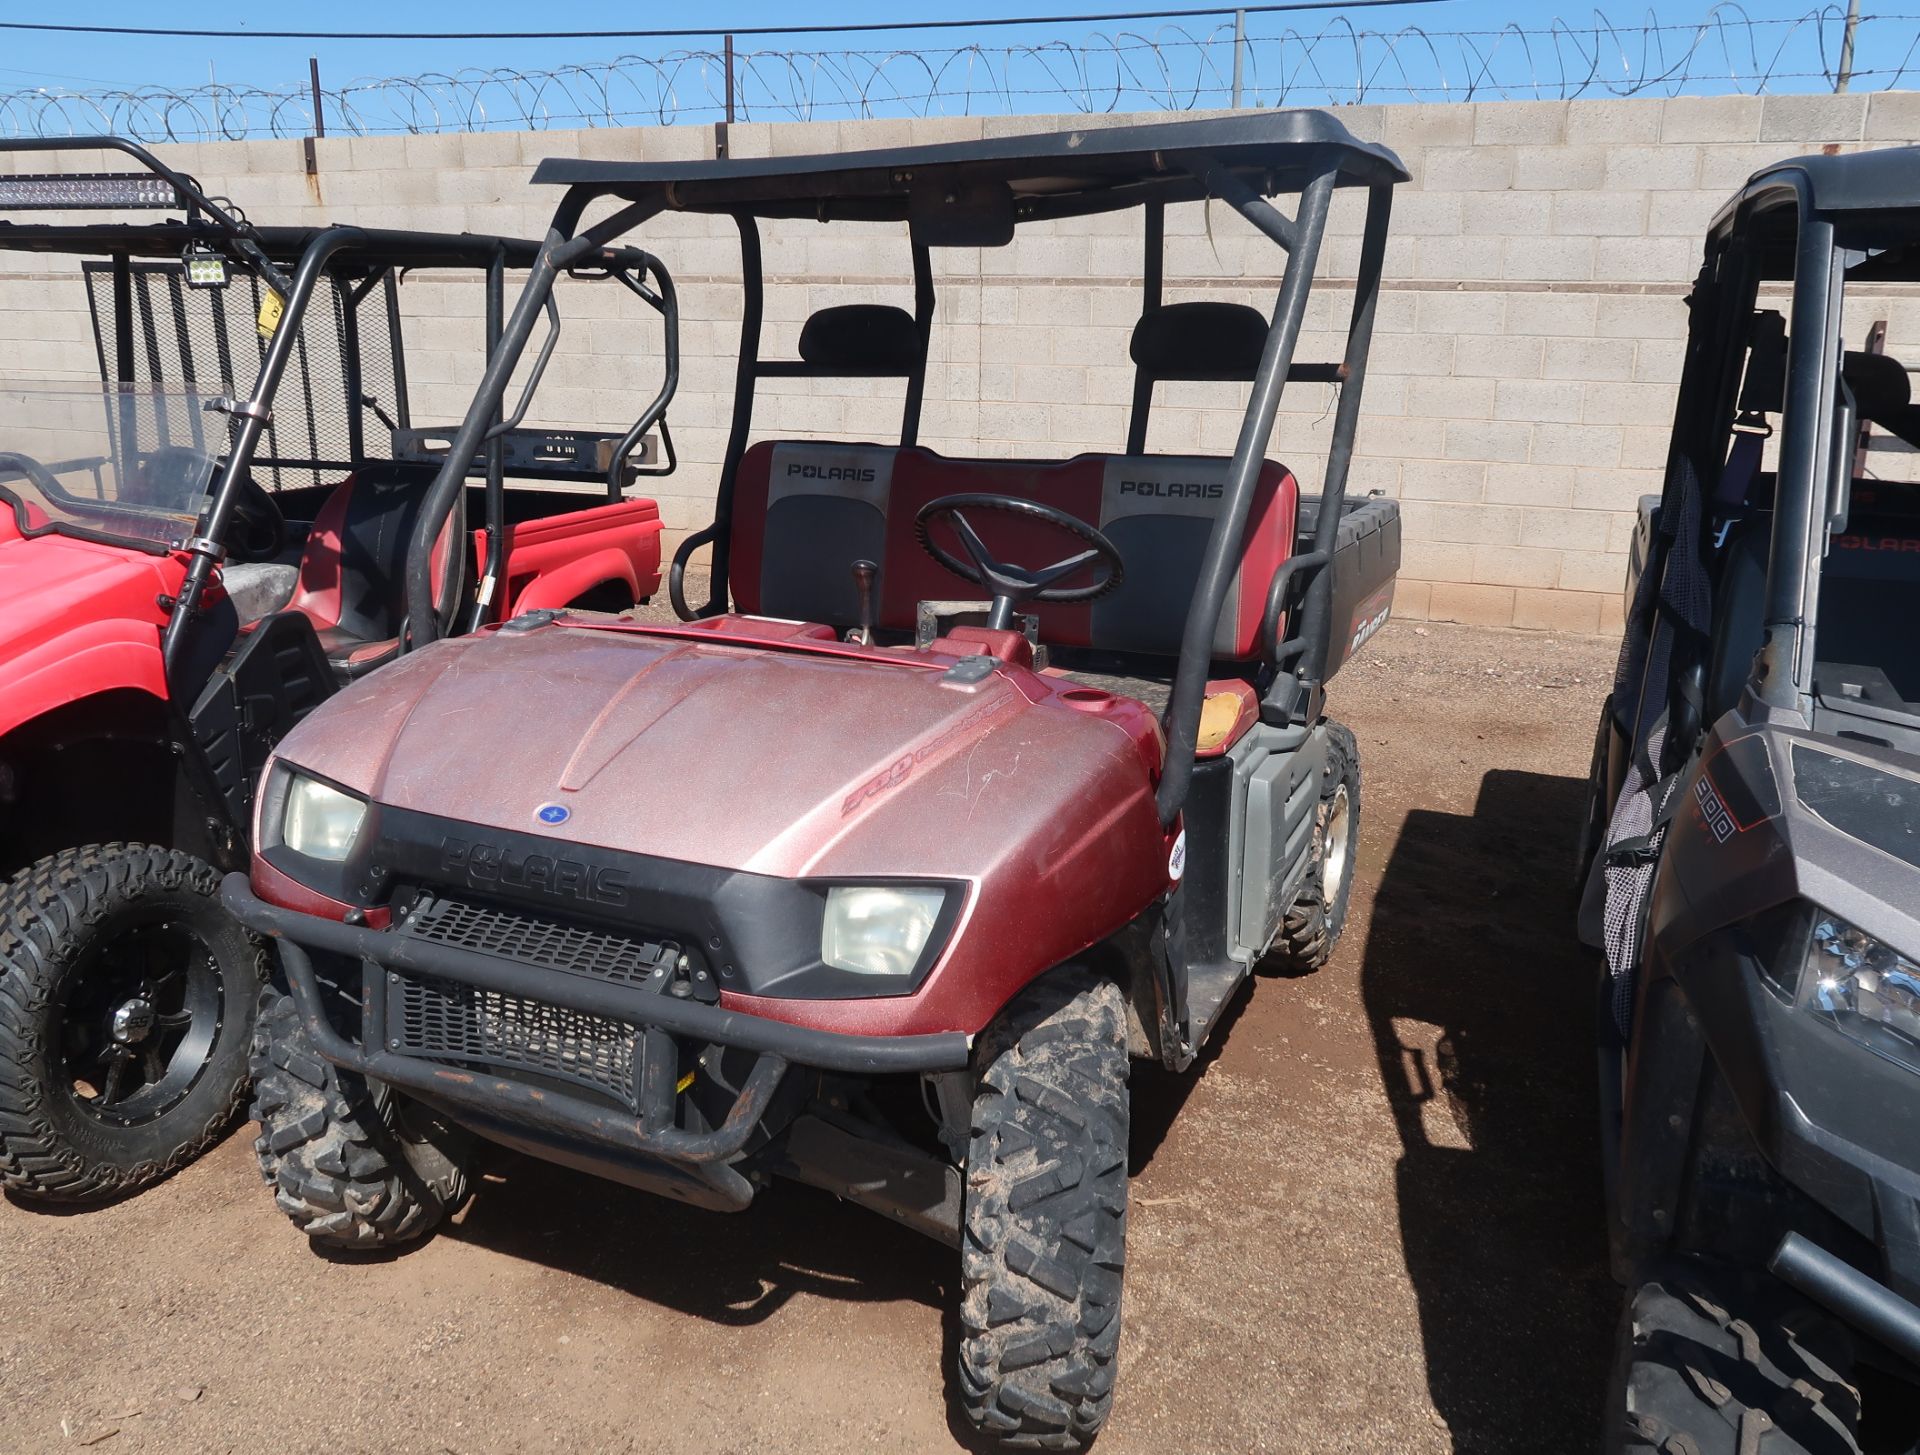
859	474
488	866
1174	489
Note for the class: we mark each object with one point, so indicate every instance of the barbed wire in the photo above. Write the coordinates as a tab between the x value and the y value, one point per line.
1171	68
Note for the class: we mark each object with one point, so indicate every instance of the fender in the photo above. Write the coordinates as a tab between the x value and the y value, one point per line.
628	529
567	582
94	657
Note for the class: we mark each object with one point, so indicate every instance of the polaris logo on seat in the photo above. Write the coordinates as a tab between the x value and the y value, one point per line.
1175	489
859	474
484	865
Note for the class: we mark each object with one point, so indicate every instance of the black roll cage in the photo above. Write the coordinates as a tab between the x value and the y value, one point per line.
370	256
241	238
975	194
1723	299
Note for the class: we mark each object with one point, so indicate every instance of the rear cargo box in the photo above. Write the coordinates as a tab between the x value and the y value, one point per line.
1366	559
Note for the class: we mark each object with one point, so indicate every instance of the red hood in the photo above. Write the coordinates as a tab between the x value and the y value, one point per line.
778	762
50	584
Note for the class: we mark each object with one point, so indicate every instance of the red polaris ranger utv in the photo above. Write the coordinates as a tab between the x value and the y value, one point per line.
193	553
838	884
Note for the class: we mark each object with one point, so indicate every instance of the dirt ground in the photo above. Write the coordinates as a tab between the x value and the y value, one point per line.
1371	1226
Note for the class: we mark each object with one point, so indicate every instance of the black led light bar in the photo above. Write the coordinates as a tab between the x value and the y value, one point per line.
68	191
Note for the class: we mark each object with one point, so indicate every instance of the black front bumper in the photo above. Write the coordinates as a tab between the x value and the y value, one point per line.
660	1021
1861	1301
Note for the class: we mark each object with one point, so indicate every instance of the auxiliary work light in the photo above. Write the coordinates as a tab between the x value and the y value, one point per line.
204	267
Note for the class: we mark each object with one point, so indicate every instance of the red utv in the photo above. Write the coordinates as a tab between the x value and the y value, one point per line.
193	554
855	882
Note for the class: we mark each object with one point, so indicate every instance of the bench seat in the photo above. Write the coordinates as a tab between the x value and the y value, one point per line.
804	511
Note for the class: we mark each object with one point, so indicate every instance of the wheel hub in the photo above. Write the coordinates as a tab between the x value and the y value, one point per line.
133	1021
139	1020
1337	848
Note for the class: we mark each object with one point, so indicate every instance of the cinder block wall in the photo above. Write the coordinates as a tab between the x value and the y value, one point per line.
1523	372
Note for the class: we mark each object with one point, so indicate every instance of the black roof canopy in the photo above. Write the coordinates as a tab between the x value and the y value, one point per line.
1049	174
1871	197
383	247
1888	177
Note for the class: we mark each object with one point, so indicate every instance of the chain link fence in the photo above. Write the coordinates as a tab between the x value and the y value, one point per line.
1169	67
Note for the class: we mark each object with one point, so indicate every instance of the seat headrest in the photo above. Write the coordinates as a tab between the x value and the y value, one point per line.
1879	383
1207	341
861	336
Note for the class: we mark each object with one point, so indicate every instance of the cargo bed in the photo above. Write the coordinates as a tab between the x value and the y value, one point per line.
1366	561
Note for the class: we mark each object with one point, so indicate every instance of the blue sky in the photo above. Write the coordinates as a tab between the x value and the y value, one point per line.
85	63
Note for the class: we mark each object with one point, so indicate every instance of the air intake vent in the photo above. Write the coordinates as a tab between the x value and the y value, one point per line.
530	940
442	1021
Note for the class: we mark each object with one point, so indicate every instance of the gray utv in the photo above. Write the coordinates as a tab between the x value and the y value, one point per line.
1751	866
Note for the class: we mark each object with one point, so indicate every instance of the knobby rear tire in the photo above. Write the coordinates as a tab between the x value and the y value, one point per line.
1313	925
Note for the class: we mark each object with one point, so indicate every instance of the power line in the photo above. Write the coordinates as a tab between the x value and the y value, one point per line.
710	30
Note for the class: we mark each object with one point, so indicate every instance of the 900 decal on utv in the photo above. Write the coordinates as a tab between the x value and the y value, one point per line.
857	883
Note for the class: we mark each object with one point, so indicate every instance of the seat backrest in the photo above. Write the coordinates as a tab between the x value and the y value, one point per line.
804	512
353	568
822	507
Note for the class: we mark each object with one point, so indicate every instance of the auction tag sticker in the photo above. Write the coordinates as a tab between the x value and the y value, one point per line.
271	307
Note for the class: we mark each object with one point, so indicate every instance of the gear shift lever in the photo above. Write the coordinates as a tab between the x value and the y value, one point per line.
865	573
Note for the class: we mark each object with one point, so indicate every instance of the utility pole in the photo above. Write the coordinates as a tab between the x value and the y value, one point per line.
319	108
1239	45
721	143
1846	47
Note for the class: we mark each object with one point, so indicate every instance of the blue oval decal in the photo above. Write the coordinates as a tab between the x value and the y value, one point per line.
552	813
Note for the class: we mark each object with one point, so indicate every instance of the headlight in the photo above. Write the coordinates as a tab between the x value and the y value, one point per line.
1863	989
876	929
320	822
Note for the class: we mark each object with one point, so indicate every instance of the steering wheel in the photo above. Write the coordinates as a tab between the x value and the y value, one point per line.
260	526
1015	586
256	528
13	462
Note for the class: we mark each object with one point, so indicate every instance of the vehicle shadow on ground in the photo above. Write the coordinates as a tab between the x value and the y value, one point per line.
792	1240
1157	1095
1478	1001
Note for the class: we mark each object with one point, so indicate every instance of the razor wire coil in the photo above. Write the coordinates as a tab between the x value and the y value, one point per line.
1174	67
